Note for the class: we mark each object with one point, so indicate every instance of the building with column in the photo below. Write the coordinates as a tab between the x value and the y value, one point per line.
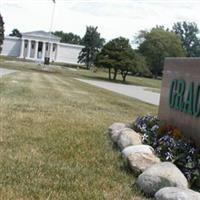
37	45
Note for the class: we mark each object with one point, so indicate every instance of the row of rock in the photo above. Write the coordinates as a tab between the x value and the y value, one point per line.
160	179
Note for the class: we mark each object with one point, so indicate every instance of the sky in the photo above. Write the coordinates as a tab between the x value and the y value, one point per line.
114	18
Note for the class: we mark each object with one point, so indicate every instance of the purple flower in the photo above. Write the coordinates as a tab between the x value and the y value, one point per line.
192	150
145	138
155	128
169	156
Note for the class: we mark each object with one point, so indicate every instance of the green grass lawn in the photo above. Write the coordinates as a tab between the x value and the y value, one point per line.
53	140
130	80
101	74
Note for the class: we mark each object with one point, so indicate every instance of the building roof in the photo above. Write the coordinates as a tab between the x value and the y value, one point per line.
42	34
12	37
71	45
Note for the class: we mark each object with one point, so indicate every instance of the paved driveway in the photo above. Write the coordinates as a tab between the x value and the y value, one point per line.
138	92
5	71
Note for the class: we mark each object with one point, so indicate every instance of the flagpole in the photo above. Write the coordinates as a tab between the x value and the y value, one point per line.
50	29
52	16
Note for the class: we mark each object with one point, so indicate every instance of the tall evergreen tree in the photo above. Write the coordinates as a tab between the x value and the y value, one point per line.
93	43
1	32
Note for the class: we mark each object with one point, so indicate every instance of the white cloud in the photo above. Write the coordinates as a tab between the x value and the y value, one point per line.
113	17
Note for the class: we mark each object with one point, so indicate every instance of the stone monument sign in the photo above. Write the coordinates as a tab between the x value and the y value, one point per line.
180	96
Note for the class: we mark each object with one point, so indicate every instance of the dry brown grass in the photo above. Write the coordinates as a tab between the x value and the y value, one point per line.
53	141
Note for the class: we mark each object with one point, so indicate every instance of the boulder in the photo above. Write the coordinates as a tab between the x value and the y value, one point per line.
116	126
174	193
137	149
161	175
115	135
129	125
128	137
139	162
114	130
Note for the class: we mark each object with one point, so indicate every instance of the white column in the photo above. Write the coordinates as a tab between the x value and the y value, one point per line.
57	50
29	49
36	50
22	49
43	50
51	51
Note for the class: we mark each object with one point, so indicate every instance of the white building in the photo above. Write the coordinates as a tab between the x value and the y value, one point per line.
40	44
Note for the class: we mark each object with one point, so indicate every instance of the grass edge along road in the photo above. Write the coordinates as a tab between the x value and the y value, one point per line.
101	74
53	138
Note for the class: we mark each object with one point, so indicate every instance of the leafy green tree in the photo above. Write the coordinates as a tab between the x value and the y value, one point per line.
159	44
140	37
127	62
141	68
188	31
118	56
16	33
1	32
93	43
70	38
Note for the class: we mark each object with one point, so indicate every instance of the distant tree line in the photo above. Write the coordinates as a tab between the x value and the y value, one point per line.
70	38
15	33
147	60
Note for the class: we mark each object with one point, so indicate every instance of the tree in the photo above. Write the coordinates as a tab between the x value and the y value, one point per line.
117	55
141	68
159	44
188	31
140	37
70	38
93	43
16	33
126	63
1	32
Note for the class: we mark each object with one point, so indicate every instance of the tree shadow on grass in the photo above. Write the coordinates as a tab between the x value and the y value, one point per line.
45	71
99	78
125	167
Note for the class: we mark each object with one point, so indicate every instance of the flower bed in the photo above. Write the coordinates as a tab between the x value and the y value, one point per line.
170	145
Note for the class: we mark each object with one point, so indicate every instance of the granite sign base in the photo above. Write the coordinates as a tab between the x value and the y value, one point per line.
180	96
